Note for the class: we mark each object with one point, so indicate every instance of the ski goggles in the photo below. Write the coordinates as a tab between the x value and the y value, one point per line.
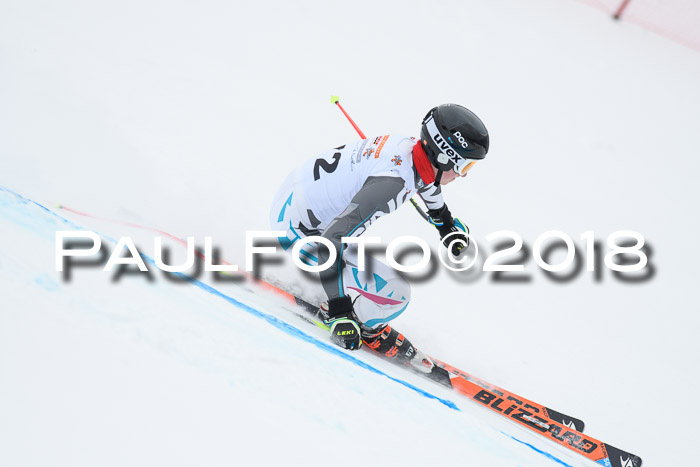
463	166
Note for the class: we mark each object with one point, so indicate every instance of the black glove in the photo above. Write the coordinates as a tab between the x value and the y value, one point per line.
446	225
345	332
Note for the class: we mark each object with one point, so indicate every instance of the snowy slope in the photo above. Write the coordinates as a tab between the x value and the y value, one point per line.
184	374
187	117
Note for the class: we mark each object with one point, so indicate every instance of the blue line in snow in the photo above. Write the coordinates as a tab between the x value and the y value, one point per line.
298	333
273	320
544	453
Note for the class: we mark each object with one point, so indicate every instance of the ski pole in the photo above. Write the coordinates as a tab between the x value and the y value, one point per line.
336	100
620	9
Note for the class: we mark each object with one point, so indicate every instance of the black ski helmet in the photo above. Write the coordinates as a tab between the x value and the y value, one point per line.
454	137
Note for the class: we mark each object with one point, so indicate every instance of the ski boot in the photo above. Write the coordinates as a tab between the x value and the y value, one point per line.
394	346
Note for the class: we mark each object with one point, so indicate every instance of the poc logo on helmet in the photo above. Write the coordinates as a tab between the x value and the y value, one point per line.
461	139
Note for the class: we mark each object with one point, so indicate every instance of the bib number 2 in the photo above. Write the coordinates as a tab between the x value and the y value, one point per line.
328	167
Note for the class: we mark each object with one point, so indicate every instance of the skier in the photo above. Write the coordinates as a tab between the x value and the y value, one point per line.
341	192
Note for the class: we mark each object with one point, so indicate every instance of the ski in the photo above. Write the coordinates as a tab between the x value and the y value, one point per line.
547	412
544	421
528	416
453	377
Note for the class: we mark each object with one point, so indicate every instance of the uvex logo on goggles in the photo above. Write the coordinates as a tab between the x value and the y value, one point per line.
440	142
445	147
